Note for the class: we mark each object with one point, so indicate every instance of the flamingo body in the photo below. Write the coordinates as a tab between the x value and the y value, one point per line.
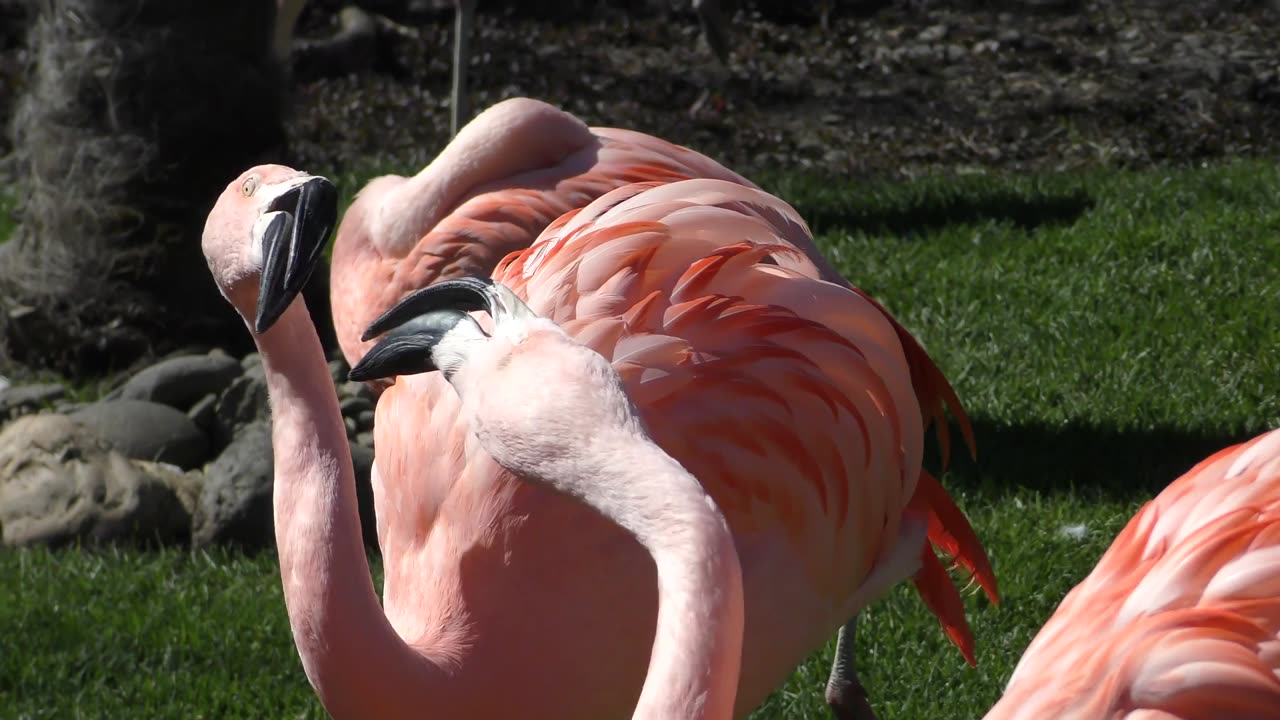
508	174
262	240
1180	620
789	397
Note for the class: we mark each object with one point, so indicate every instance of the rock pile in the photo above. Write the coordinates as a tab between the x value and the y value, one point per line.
178	453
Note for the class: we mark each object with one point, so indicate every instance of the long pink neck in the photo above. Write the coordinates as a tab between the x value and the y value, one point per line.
354	659
697	649
513	137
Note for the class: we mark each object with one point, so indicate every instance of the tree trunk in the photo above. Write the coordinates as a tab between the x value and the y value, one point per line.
137	114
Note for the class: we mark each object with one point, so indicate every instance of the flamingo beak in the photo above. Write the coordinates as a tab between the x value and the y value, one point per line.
407	349
417	324
292	243
466	294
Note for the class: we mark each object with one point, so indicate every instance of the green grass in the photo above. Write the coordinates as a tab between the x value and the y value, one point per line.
6	216
1105	331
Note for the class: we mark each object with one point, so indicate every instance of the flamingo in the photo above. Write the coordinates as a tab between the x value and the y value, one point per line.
514	169
531	375
288	11
789	397
1180	620
260	241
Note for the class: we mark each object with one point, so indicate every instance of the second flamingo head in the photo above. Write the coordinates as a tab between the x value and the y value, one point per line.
264	237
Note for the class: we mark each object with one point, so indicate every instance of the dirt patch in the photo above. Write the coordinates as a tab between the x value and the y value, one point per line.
892	89
909	88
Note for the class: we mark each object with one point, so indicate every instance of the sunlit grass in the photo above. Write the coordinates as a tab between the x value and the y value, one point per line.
1105	331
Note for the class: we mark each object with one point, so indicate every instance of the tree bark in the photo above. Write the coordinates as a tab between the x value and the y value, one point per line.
137	113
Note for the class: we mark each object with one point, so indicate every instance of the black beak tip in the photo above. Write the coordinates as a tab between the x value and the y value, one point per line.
264	321
458	294
293	244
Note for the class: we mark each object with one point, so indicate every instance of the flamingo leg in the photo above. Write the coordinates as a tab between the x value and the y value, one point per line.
845	694
716	32
464	18
714	28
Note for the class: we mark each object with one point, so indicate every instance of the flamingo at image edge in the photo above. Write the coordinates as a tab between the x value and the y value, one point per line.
1180	620
787	396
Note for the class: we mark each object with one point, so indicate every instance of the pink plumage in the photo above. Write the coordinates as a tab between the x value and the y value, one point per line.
508	174
1180	620
789	397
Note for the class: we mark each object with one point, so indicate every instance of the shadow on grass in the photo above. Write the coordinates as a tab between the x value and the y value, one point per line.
929	204
1027	211
1123	465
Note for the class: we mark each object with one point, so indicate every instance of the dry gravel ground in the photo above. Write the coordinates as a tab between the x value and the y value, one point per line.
891	87
912	87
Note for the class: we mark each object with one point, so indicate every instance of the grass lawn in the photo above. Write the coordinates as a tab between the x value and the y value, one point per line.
1105	331
6	215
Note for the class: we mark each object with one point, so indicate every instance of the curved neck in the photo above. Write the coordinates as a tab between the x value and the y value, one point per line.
354	659
697	648
513	137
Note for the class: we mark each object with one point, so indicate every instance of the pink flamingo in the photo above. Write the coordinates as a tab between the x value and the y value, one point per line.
789	397
1180	620
512	171
261	241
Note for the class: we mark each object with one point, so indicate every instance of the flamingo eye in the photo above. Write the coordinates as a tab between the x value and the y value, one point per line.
250	186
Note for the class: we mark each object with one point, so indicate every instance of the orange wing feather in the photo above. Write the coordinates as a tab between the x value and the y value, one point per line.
785	394
494	216
1181	617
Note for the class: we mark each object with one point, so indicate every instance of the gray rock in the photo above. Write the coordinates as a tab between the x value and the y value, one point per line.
362	462
204	414
147	431
25	398
235	503
235	506
353	406
365	419
256	372
181	381
60	483
933	33
338	369
244	401
365	439
351	426
251	361
356	389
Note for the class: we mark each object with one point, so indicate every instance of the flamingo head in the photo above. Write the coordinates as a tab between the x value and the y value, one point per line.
431	329
264	237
